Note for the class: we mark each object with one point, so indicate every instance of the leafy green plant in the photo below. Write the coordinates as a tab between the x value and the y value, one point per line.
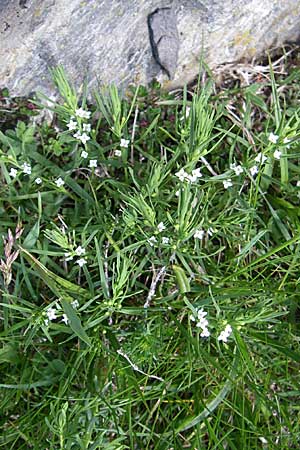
149	276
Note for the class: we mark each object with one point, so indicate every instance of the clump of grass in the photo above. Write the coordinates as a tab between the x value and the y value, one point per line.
152	296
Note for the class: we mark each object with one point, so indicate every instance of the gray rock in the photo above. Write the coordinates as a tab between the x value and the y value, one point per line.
133	41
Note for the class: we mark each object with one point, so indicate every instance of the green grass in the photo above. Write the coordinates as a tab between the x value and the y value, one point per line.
104	353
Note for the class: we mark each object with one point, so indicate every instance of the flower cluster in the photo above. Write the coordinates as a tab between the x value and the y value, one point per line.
199	234
191	178
124	143
54	313
236	168
201	322
224	335
79	251
165	240
82	130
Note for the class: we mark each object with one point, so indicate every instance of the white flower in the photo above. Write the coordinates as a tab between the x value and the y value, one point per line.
286	141
273	138
237	169
181	174
205	332
72	125
124	143
80	251
51	314
26	168
210	231
195	175
165	240
224	335
202	322
59	182
177	193
68	257
93	163
260	158
118	153
84	154
201	314
277	154
199	234
84	138
253	170
82	113
13	173
298	183
81	262
75	304
38	180
77	135
65	319
187	111
86	127
161	227
152	240
227	183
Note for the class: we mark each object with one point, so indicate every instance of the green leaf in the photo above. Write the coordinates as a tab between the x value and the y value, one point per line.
75	322
53	280
9	354
213	404
182	280
32	236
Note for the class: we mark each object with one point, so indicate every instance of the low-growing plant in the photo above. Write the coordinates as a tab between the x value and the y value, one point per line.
149	275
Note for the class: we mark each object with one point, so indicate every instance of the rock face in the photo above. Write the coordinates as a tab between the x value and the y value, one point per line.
133	41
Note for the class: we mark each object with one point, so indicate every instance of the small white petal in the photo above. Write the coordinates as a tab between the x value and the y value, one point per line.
84	154
253	170
165	240
81	262
13	173
26	168
84	138
152	240
75	304
118	153
38	180
83	114
161	227
277	154
210	231
59	182
260	158
51	313
93	163
205	333
80	251
86	127
237	169
77	135
72	125
182	175
273	138
68	257
227	183
124	143
199	234
65	319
